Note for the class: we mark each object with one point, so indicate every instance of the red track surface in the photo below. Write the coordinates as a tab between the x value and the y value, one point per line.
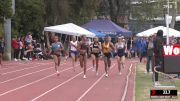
37	81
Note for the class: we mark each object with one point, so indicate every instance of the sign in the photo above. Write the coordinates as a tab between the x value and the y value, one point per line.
163	94
171	61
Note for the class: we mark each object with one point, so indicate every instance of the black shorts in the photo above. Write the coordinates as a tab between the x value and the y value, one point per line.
96	54
108	55
121	54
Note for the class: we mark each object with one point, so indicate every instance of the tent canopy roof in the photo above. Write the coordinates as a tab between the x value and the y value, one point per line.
98	34
69	29
107	27
149	32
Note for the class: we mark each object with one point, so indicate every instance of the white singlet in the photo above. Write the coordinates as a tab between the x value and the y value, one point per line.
72	47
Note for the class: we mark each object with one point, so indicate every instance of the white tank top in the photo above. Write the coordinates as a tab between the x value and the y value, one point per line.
72	47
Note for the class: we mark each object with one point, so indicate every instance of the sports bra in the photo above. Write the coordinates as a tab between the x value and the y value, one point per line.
120	46
56	45
106	48
95	45
84	46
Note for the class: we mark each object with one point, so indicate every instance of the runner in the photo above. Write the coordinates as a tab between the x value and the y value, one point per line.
96	52
83	47
120	50
73	51
56	50
107	48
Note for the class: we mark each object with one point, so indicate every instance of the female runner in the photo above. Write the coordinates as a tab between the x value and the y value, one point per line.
96	52
73	51
120	50
56	49
107	48
83	48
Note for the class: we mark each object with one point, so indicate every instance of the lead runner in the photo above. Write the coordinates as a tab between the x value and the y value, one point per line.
56	49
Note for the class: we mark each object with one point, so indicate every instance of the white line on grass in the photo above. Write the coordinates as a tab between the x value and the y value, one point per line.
127	83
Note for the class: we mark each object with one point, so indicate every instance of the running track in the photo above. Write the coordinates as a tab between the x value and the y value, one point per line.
37	81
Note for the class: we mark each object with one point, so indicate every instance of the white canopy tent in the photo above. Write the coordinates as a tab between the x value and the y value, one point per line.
69	29
149	32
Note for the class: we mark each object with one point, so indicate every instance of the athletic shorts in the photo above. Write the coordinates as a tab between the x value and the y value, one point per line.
96	54
121	54
74	52
108	55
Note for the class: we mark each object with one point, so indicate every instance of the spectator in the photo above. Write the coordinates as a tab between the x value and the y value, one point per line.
158	52
21	47
150	52
1	49
143	49
15	48
28	38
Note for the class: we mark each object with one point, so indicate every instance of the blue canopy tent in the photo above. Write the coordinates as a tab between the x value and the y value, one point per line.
107	27
98	34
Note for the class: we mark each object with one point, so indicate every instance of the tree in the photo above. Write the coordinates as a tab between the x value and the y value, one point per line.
5	10
146	10
29	16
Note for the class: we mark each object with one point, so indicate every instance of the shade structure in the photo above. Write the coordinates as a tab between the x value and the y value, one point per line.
69	29
107	27
98	34
149	32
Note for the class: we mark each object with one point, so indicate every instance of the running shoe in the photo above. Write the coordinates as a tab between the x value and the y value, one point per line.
84	77
15	59
107	75
97	73
57	72
157	83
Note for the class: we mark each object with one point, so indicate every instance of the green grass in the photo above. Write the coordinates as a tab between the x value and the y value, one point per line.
144	85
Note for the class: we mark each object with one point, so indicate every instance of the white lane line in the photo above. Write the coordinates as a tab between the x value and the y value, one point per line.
20	70
34	99
28	74
26	69
4	67
12	90
134	83
97	81
127	83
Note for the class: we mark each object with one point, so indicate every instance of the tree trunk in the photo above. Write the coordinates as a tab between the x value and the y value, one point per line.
7	39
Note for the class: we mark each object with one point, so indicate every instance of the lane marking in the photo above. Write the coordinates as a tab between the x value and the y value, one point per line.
27	68
28	74
20	70
25	64
97	81
34	99
12	90
127	83
4	67
134	83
